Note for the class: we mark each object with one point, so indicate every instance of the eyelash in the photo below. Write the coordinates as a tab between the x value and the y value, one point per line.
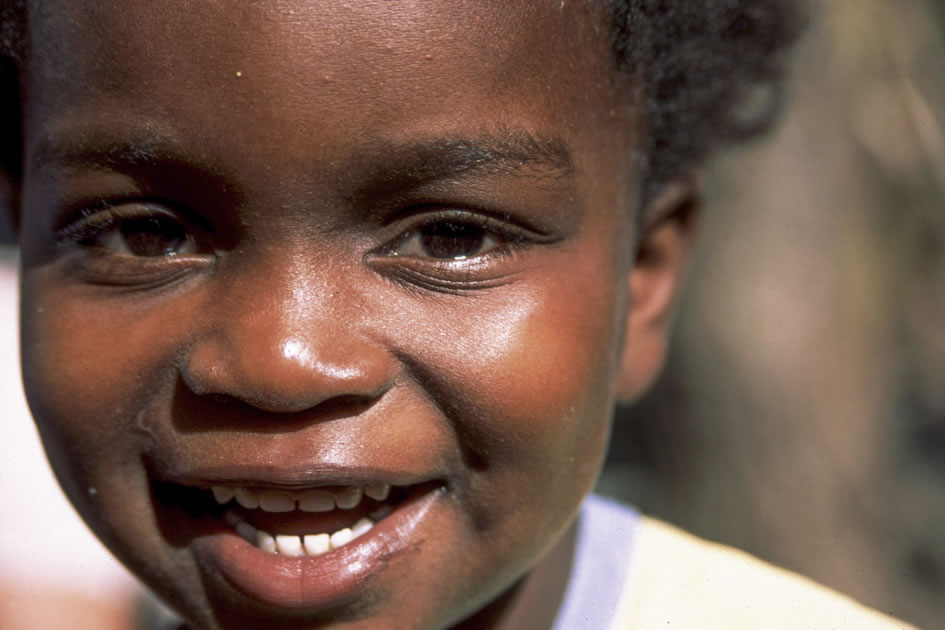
92	222
452	224
89	222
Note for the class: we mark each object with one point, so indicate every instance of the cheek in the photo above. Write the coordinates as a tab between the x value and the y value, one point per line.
93	372
554	380
530	374
551	362
91	369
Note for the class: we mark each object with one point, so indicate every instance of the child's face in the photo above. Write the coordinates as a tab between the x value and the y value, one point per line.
289	245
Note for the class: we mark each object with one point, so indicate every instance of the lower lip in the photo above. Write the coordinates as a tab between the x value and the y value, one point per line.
316	582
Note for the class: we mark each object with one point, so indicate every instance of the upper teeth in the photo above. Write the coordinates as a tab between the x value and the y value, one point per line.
315	500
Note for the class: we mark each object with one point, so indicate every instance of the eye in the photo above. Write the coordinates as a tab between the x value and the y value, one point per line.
136	243
148	236
449	239
455	250
140	231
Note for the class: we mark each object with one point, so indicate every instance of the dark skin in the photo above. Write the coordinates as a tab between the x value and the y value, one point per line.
301	245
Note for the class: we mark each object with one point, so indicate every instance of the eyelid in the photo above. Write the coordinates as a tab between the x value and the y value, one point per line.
106	214
85	225
510	228
433	211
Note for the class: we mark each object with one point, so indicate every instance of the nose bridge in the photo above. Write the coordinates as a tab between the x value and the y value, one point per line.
288	335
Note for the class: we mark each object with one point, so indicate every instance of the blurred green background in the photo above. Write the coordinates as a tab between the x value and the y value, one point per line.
802	412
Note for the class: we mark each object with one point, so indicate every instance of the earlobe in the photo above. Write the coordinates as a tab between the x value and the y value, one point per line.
663	246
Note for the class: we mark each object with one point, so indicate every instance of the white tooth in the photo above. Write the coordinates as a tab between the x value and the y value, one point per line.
265	541
289	545
246	531
316	501
247	498
378	492
271	501
341	537
317	544
349	498
222	494
361	527
380	513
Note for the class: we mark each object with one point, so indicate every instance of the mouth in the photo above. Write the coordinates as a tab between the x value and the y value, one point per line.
309	522
300	547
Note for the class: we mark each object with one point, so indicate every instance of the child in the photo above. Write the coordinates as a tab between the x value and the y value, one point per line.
326	305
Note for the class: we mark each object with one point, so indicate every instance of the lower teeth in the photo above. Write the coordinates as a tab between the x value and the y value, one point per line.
307	545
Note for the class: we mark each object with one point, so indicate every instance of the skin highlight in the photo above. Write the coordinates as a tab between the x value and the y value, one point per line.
299	164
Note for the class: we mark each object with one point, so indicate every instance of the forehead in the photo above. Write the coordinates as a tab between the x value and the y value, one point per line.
253	74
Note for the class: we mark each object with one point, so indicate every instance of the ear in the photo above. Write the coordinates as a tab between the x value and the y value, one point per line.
663	245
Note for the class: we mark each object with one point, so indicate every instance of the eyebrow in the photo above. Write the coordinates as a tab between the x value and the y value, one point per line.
497	153
104	152
377	164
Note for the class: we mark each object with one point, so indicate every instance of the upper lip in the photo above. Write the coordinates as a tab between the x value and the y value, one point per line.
285	478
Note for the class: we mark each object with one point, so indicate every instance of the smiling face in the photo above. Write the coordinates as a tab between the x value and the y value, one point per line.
296	250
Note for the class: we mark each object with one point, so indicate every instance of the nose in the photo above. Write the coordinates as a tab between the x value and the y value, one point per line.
283	343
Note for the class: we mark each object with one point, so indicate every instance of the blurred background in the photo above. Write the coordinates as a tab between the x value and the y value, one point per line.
802	413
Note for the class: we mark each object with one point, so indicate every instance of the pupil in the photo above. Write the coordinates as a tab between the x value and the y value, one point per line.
152	236
448	239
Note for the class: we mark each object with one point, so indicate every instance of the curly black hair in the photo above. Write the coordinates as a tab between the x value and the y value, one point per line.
710	71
